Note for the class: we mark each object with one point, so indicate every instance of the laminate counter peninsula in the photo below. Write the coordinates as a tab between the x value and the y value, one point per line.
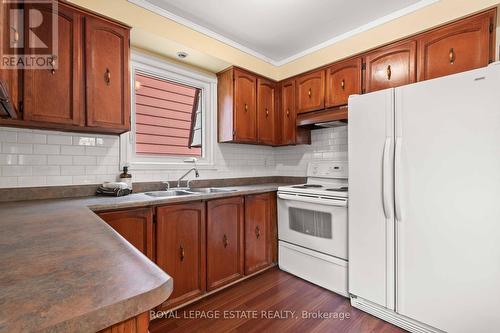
63	269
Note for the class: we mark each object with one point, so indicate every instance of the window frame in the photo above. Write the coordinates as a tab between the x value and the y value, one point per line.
163	69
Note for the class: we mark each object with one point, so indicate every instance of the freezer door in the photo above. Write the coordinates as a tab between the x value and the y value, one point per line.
371	217
448	201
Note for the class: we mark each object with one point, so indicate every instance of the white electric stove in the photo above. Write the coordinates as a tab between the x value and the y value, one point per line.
312	226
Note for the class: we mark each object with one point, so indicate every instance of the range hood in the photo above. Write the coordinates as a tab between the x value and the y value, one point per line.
333	117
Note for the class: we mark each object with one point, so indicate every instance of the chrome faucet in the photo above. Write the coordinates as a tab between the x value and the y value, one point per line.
196	173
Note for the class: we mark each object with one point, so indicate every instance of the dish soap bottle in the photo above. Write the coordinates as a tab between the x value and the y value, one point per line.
126	177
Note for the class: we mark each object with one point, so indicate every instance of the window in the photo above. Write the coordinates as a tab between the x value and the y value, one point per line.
167	117
172	111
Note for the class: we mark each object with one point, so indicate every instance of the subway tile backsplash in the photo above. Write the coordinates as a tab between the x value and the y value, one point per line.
48	158
41	158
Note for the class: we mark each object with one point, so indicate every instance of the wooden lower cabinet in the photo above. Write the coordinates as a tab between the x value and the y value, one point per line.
135	225
180	249
260	231
138	324
225	261
203	246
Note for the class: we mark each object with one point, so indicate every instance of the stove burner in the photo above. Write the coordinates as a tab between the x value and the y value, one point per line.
308	186
342	189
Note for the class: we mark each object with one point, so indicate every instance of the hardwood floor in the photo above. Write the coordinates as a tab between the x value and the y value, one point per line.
244	308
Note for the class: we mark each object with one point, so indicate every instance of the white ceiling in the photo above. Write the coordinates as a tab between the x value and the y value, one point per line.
280	31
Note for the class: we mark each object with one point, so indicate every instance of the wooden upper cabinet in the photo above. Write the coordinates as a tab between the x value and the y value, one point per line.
311	91
108	84
56	94
457	47
342	80
391	66
180	249
11	44
245	110
225	253
266	113
135	225
288	115
260	227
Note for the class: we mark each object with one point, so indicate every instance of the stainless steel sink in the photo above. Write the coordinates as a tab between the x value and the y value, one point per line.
169	193
211	190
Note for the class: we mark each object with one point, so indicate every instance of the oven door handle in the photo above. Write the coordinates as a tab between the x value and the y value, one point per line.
314	200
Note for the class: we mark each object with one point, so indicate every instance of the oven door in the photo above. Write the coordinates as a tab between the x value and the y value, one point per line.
319	224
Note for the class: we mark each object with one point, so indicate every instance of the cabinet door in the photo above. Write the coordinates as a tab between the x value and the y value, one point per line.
342	80
266	111
289	126
11	45
107	61
55	95
245	112
224	241
135	225
260	226
180	249
391	66
311	92
455	48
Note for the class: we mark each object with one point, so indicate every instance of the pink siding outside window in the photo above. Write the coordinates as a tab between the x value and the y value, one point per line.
164	116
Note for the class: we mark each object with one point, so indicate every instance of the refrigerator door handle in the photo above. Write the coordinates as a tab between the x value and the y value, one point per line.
397	182
386	178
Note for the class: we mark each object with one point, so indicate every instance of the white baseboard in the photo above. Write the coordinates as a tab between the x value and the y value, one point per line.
392	317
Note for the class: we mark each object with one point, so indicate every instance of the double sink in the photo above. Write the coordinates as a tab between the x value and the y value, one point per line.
191	191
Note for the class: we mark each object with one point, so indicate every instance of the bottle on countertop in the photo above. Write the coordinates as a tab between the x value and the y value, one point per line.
126	177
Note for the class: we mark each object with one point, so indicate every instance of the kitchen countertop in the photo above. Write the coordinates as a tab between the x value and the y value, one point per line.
63	269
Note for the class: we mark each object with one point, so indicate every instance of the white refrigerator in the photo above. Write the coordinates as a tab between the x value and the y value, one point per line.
424	203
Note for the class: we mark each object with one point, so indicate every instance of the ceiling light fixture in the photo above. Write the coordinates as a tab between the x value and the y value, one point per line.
182	55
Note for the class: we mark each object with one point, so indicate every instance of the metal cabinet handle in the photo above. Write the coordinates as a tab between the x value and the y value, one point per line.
257	232
107	76
225	240
389	72
16	35
246	107
342	84
181	253
53	64
452	56
288	113
267	113
310	93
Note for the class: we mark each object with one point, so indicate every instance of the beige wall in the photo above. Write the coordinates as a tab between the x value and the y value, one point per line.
426	18
164	37
160	35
